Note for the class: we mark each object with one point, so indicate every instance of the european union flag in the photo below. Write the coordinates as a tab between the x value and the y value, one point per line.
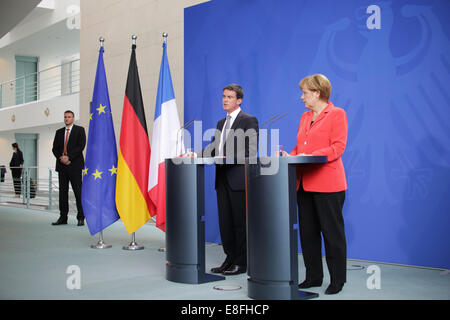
98	191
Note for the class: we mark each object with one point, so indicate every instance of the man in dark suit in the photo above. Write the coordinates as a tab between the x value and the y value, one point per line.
236	139
68	147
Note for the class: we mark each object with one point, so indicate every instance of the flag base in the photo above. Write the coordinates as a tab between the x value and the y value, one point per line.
133	245
101	245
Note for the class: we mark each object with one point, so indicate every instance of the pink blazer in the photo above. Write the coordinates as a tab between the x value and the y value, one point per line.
327	136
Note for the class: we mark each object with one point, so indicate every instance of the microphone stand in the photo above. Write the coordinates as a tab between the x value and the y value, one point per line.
185	126
274	119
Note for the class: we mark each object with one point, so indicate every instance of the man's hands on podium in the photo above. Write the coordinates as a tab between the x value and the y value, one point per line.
189	154
192	154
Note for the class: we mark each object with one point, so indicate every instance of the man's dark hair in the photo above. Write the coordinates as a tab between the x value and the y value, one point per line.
70	111
236	88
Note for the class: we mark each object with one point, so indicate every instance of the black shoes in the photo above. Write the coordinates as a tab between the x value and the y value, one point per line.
225	265
309	284
64	221
229	269
334	288
234	269
59	222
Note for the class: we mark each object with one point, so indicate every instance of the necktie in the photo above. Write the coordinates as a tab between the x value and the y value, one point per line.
65	143
224	135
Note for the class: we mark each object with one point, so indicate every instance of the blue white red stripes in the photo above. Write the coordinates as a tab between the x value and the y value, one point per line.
164	140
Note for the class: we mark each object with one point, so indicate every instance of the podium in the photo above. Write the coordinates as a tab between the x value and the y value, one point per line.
272	228
185	225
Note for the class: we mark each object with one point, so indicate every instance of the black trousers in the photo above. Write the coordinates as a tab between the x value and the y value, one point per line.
16	174
321	213
232	223
74	177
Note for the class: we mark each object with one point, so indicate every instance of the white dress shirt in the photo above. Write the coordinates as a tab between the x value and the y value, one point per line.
233	116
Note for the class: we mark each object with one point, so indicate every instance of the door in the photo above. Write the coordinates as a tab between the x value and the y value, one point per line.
28	145
26	79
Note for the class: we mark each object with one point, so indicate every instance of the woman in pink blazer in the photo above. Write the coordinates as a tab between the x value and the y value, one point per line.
321	187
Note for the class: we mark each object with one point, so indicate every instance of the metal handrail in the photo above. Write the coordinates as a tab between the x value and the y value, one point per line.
42	84
37	189
42	71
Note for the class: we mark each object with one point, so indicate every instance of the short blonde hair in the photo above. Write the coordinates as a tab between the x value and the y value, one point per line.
317	82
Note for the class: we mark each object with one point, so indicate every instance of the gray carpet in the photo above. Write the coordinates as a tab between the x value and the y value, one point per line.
35	257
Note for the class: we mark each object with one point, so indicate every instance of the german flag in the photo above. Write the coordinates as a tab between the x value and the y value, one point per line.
132	200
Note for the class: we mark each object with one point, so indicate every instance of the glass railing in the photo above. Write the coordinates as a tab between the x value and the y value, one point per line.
37	188
49	83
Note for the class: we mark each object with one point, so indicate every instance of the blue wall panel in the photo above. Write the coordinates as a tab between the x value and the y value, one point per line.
393	83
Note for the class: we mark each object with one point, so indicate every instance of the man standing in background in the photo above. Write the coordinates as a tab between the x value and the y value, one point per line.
68	147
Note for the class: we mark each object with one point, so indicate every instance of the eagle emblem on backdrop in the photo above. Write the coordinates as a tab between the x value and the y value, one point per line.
395	98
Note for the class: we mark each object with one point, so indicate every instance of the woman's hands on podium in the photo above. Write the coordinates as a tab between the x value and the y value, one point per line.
283	153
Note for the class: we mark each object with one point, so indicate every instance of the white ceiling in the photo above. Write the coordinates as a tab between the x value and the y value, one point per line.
13	12
56	41
53	41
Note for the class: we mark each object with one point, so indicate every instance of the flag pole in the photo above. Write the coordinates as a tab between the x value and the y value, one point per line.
165	35
133	244
101	244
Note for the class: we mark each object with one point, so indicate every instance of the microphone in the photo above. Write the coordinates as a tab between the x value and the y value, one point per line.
278	117
275	119
268	121
185	126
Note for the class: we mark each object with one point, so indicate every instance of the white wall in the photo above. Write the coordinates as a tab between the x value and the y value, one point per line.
39	19
46	36
45	158
33	114
117	22
7	72
31	118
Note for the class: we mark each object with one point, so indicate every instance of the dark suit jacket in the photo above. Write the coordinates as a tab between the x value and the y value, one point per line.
16	161
75	147
238	146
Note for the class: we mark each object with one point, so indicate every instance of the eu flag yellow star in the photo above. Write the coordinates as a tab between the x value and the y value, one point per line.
97	174
90	115
113	170
101	109
84	171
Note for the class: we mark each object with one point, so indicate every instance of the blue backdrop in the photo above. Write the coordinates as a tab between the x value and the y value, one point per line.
389	67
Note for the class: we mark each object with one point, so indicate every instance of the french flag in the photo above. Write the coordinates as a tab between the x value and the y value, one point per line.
164	139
